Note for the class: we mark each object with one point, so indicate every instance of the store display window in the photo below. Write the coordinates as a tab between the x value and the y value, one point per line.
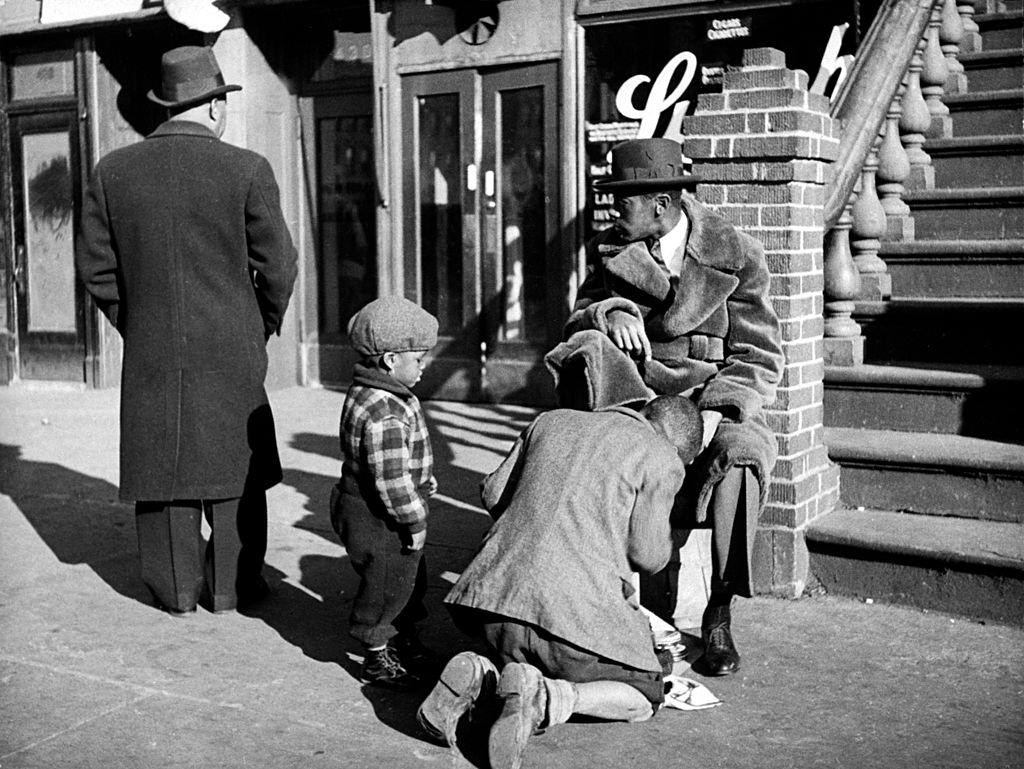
642	76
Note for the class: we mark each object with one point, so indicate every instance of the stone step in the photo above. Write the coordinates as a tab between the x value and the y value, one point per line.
971	212
965	330
1000	30
927	473
997	6
968	268
966	567
973	401
986	113
994	70
977	161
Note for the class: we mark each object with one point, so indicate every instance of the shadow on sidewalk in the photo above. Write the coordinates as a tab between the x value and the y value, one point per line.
313	616
78	517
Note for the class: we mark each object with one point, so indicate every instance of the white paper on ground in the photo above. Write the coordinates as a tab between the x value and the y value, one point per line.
686	694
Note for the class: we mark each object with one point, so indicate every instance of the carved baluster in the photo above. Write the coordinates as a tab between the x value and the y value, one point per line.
971	40
933	79
869	227
844	345
950	34
893	170
914	122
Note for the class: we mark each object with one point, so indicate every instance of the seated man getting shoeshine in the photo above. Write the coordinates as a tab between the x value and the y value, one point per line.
678	288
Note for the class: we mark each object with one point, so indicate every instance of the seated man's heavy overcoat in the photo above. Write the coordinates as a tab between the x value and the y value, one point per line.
714	334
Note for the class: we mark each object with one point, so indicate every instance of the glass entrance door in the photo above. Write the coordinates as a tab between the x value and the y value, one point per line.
481	234
49	298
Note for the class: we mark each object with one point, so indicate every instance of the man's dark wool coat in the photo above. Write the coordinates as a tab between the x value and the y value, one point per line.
185	250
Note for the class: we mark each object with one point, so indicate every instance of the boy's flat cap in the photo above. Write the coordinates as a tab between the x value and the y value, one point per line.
392	324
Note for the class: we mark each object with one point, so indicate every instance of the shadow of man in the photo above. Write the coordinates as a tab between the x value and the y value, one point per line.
78	517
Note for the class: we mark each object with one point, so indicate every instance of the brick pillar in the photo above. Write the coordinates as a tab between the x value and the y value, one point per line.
763	146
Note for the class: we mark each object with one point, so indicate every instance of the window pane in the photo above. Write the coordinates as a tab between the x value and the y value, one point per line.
49	230
42	75
523	213
440	210
347	232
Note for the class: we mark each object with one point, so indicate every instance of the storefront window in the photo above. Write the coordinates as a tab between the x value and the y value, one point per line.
672	61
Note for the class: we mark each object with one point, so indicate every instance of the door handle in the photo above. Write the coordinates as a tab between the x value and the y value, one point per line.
19	269
489	202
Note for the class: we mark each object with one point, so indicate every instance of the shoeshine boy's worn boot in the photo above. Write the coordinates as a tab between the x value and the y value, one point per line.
525	701
529	702
467	681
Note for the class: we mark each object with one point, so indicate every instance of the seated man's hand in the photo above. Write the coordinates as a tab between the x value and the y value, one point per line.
711	421
627	333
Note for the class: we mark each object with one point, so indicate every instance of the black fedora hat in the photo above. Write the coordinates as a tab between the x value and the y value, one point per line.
189	74
647	164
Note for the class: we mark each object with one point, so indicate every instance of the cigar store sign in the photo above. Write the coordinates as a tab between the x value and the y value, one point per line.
649	106
678	73
680	69
729	29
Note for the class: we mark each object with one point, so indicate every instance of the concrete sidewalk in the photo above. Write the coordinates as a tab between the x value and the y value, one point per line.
91	675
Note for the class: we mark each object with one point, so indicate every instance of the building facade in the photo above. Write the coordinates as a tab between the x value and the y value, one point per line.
443	150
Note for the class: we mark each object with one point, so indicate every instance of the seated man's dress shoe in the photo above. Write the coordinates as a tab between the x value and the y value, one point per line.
720	655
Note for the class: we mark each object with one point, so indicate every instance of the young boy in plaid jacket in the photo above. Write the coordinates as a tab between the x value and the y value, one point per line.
379	507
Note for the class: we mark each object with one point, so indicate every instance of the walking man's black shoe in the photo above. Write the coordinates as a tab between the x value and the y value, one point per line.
720	655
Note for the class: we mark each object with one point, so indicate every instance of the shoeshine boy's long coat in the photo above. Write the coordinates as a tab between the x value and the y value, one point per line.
185	250
581	502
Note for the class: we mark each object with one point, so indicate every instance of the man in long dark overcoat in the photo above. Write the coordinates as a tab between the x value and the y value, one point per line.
678	288
184	248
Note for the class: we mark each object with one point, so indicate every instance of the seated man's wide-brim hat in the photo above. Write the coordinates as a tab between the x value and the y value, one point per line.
189	75
646	165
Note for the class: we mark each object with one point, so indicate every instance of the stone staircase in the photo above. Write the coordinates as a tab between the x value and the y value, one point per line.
929	431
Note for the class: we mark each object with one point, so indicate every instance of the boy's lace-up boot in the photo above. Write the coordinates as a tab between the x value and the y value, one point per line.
382	667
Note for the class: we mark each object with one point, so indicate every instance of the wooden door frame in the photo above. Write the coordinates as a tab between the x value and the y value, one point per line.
28	124
507	362
493	82
80	48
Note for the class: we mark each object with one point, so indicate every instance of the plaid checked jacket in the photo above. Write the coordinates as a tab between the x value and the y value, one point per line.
386	453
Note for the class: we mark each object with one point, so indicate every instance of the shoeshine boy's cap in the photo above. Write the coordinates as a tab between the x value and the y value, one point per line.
647	165
392	324
189	74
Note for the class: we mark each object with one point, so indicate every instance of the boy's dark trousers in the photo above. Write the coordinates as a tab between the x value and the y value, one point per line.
392	580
